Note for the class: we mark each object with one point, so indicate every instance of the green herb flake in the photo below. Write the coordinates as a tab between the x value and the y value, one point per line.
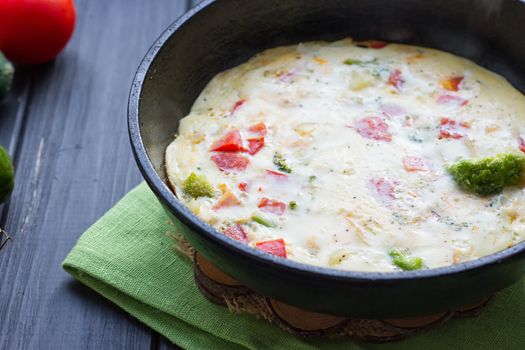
380	72
280	162
405	262
488	176
415	138
263	221
312	178
197	186
351	61
292	205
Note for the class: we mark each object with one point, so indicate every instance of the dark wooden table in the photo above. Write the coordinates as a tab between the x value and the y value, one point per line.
64	124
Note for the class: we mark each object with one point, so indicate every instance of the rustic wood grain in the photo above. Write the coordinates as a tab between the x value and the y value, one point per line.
65	125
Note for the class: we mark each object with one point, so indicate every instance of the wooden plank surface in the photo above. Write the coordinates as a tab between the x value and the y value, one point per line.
65	125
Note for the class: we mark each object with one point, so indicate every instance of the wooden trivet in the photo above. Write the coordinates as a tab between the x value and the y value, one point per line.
223	290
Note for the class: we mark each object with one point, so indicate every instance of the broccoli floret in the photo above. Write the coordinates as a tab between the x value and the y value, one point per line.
280	162
488	176
405	262
197	186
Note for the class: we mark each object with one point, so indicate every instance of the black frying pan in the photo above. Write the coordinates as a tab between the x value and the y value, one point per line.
217	35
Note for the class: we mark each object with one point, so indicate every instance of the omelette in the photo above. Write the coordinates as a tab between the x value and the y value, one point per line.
335	154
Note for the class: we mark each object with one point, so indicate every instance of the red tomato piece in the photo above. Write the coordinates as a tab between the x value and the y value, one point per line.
243	186
384	188
372	44
259	128
392	110
228	199
276	175
521	143
285	76
414	164
373	128
275	247
450	129
236	232
376	44
255	144
448	99
231	142
452	83
230	161
237	105
396	80
272	206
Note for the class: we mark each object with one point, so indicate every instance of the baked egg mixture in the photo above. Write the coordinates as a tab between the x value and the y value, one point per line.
336	155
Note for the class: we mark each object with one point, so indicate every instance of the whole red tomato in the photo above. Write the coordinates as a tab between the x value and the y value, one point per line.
35	31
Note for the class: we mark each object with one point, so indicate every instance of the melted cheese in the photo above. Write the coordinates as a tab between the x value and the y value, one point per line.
368	142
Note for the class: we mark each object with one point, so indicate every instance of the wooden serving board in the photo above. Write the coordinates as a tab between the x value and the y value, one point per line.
222	289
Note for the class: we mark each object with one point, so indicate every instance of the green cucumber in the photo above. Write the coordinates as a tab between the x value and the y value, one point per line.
7	175
6	76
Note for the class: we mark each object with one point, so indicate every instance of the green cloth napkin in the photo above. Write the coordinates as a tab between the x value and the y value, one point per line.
129	258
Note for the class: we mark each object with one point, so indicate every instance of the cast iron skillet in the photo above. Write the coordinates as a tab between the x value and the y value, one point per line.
217	35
